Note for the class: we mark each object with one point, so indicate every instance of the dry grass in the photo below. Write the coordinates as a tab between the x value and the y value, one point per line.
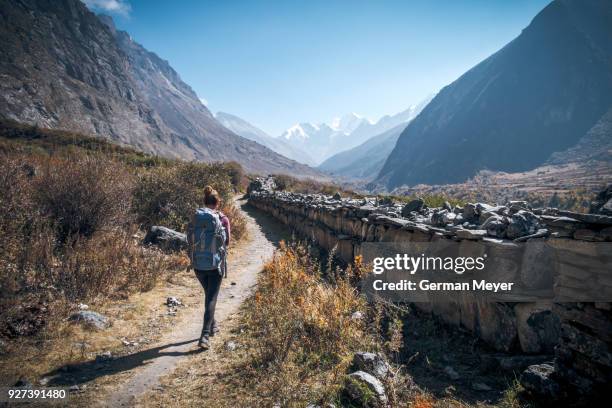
296	340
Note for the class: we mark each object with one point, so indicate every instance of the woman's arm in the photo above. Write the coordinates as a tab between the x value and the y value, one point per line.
228	230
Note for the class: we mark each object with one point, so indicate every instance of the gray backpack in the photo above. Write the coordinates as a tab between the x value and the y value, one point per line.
206	238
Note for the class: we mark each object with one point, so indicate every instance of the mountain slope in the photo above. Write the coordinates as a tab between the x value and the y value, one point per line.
243	128
364	161
63	68
596	145
539	94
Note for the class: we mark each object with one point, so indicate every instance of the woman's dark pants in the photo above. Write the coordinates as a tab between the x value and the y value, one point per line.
211	282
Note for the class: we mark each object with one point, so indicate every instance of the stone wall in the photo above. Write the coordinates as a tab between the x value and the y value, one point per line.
511	235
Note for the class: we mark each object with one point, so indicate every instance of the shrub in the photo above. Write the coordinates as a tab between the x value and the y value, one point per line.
237	221
168	195
82	195
236	174
108	263
84	200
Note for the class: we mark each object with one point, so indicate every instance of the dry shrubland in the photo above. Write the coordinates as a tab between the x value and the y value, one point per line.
71	213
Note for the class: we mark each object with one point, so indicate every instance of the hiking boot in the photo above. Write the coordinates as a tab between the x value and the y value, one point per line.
215	329
204	343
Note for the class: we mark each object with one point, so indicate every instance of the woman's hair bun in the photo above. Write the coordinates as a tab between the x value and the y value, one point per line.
211	196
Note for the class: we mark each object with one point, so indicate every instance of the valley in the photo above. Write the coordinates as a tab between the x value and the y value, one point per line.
476	134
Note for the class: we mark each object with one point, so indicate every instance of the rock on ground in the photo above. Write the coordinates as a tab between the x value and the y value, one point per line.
537	379
414	205
91	319
366	390
371	363
166	238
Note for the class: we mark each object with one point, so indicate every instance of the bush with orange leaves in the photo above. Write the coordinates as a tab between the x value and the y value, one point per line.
303	332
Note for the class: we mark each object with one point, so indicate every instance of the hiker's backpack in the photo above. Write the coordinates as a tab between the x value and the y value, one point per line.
206	237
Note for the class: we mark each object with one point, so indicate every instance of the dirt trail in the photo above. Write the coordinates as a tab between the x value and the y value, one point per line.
243	265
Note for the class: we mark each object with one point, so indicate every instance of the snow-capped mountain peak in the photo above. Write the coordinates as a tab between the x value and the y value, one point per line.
347	123
300	131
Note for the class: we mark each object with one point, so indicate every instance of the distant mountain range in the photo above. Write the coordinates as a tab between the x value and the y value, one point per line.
64	67
540	94
323	140
365	161
245	129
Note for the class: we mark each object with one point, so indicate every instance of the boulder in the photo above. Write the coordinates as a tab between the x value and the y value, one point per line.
366	390
166	239
470	234
522	223
470	212
371	363
538	380
516	206
438	218
90	319
601	220
495	226
566	223
414	205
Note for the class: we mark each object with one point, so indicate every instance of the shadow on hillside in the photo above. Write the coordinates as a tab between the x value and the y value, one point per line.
84	372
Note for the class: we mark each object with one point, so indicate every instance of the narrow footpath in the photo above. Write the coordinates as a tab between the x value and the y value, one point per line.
245	262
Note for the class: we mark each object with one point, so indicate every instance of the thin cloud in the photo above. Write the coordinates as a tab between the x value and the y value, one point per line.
121	7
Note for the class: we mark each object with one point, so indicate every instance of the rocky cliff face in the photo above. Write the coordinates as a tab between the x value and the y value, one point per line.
63	67
538	95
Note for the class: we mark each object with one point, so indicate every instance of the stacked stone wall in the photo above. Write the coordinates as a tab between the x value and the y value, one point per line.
581	333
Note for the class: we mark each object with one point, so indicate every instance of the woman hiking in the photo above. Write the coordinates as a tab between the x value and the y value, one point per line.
208	235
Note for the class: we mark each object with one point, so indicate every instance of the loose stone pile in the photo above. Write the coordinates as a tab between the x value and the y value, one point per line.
515	221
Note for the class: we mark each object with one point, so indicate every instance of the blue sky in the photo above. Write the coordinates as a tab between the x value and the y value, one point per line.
276	63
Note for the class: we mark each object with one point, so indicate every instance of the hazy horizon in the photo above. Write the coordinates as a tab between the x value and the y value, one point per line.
275	64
